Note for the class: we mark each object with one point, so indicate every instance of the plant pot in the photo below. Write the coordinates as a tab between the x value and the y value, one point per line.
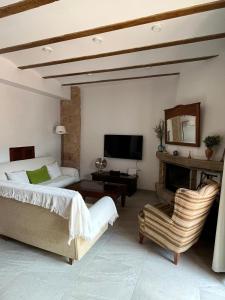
209	153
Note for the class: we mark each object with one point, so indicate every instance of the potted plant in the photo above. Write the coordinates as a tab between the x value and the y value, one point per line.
159	130
210	142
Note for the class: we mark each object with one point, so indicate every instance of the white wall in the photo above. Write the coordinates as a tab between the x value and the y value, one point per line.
28	119
128	107
30	80
204	82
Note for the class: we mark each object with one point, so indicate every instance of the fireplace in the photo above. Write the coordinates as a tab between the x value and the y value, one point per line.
176	177
177	171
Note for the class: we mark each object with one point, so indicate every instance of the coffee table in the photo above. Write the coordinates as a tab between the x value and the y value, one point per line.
98	189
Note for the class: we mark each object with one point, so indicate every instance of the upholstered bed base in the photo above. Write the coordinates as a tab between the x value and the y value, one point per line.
39	227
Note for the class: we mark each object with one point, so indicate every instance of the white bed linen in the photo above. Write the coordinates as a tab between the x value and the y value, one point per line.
66	203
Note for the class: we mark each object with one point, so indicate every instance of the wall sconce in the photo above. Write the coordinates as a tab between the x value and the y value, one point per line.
60	129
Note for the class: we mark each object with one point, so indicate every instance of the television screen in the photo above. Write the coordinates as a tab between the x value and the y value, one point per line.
123	146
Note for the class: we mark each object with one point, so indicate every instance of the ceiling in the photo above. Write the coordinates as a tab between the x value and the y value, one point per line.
68	16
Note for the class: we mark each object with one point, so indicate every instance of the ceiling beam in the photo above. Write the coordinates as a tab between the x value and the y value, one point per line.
127	51
121	25
122	79
21	6
162	63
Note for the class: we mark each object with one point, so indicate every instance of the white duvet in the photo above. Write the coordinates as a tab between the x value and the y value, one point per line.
83	222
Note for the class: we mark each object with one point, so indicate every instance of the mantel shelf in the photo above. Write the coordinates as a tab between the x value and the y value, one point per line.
191	163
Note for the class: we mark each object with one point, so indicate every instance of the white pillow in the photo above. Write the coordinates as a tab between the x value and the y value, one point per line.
54	170
19	176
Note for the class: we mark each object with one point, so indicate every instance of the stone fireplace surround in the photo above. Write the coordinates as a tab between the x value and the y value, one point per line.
190	168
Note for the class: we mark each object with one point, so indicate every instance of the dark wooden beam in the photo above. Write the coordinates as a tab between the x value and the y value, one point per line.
127	51
21	6
162	63
122	79
122	25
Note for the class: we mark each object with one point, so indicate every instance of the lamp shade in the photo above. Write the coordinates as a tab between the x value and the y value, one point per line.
60	129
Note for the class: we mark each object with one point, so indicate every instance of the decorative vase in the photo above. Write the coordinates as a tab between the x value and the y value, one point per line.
175	153
209	153
161	148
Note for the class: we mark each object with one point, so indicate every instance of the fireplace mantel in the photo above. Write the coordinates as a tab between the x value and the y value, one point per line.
192	164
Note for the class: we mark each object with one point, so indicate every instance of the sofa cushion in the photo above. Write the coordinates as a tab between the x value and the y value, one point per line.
54	170
19	176
70	172
61	181
26	164
39	175
68	175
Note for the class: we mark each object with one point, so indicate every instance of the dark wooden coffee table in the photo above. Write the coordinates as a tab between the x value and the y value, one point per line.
98	189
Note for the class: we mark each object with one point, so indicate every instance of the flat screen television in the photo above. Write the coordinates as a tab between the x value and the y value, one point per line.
123	146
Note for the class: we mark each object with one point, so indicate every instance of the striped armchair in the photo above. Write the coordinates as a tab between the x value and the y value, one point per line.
177	226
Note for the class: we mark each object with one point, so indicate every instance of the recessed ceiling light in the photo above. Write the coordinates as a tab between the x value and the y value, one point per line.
97	39
47	49
89	74
156	27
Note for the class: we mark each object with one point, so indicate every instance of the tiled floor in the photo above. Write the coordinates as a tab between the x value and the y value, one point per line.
116	268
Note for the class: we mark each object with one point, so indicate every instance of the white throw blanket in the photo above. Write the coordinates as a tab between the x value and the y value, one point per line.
66	203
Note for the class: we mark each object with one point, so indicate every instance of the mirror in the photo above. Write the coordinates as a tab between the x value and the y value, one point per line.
181	129
182	124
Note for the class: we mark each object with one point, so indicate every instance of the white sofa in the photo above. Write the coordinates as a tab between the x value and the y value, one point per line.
69	175
37	226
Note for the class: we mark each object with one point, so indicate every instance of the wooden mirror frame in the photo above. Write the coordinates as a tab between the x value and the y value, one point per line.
179	110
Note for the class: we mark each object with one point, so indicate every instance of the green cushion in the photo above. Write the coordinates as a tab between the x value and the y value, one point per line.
39	175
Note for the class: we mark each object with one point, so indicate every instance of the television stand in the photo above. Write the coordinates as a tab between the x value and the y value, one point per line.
129	180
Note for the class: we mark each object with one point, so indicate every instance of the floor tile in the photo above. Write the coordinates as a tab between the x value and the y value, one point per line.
116	268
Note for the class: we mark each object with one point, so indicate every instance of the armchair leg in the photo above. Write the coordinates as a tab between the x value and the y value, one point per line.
176	258
141	238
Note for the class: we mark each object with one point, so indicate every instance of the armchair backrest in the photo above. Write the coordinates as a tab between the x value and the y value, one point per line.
192	207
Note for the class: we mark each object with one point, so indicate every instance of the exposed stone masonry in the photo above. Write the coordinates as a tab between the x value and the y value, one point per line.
71	119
